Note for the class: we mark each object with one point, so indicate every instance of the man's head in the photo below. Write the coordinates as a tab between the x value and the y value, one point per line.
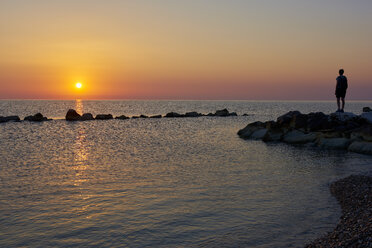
341	71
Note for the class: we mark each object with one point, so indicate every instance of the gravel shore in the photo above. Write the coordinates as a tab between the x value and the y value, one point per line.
354	193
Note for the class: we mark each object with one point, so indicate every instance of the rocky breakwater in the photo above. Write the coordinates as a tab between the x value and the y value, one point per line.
334	131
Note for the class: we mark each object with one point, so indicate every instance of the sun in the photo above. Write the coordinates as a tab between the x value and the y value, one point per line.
78	85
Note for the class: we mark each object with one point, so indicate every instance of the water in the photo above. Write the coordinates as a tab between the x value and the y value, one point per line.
189	182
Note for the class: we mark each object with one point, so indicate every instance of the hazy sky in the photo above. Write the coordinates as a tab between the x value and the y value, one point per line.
169	49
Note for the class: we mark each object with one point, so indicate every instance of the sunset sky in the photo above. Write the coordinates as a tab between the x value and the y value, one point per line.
169	49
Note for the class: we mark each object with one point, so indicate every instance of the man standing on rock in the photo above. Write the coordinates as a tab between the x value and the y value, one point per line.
341	87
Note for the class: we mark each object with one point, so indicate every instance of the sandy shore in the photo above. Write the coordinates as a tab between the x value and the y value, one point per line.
354	193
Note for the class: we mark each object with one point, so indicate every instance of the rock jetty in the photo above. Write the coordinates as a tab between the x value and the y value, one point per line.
36	118
354	229
334	131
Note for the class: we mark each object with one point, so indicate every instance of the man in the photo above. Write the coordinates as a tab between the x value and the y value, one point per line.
341	87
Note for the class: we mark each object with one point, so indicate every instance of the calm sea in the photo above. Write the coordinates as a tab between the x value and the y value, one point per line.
189	182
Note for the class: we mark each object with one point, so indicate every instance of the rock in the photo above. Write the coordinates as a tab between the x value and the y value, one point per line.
233	114
334	143
259	134
122	117
135	117
156	116
342	117
367	116
104	117
222	112
37	118
72	115
173	115
192	114
367	109
286	118
246	132
298	137
361	147
364	133
86	117
299	121
144	116
245	115
9	118
318	121
210	114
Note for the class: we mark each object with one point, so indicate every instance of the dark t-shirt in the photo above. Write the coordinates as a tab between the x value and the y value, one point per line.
341	86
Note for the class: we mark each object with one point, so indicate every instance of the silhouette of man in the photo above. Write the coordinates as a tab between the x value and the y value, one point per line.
341	87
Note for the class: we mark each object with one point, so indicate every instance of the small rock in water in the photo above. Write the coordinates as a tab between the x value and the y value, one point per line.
9	118
222	112
144	116
122	117
155	116
37	118
173	115
104	117
192	114
367	109
87	117
72	115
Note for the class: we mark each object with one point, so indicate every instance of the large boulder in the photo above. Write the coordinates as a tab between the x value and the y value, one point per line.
318	121
259	134
298	137
72	115
367	116
273	135
36	117
86	117
342	117
299	121
361	147
334	143
104	117
284	120
9	118
365	133
246	132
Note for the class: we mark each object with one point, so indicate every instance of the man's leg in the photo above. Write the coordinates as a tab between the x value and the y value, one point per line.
338	103
343	102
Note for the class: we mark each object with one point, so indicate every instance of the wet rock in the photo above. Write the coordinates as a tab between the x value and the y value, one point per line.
210	114
342	117
155	116
144	116
173	115
37	118
299	121
104	117
135	117
72	115
334	143
122	117
367	109
245	115
9	118
192	114
86	117
361	147
273	135
298	137
259	134
246	132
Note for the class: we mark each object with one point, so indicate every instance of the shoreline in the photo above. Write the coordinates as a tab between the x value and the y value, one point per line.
354	194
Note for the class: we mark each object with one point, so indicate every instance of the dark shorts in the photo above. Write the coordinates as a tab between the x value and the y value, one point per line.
340	93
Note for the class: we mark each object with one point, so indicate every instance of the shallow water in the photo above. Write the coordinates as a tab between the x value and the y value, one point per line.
189	182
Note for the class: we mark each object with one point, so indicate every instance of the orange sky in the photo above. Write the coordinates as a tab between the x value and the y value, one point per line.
184	49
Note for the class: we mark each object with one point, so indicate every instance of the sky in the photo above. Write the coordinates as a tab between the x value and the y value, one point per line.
194	49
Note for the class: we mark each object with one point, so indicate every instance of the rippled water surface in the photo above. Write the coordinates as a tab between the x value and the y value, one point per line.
189	182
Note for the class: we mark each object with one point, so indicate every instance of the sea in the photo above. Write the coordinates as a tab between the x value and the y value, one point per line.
170	182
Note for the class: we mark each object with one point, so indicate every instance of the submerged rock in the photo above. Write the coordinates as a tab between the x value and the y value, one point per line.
334	143
37	118
298	137
9	118
72	115
104	117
